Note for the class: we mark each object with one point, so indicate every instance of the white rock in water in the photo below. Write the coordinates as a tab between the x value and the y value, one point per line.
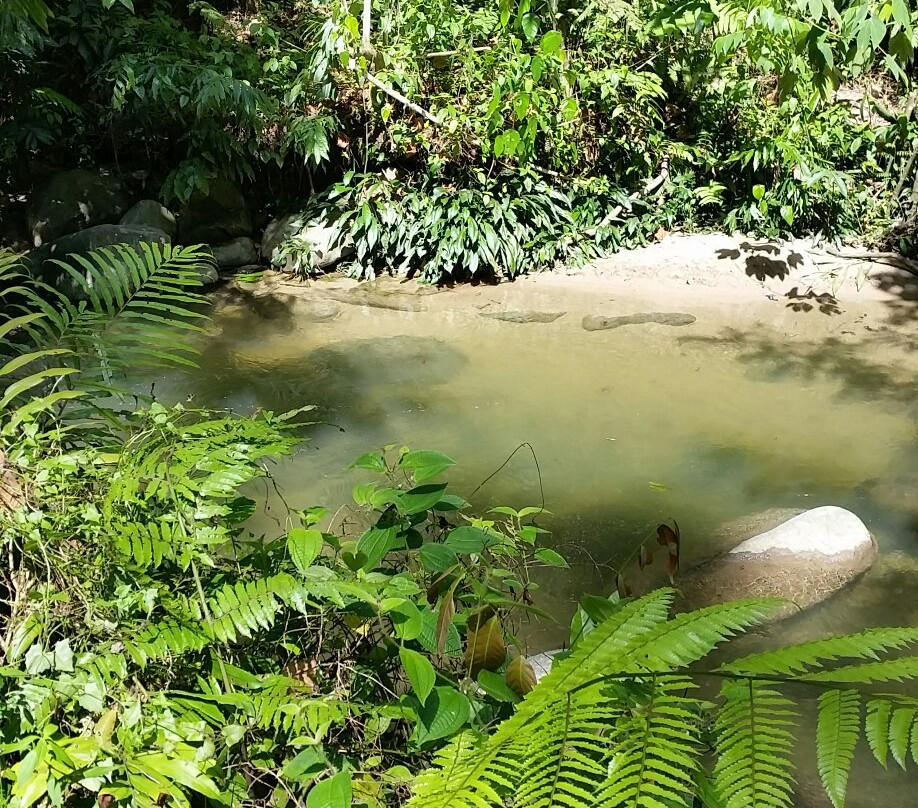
541	663
826	531
803	560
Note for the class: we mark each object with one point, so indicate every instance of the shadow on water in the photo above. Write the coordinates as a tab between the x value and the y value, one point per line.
903	286
356	381
860	376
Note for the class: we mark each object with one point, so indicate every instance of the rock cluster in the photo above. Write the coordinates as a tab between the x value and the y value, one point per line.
81	210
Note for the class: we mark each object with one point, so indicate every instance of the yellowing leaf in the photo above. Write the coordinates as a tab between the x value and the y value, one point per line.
485	648
520	676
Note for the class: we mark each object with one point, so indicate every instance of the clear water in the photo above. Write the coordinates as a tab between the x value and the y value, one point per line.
755	406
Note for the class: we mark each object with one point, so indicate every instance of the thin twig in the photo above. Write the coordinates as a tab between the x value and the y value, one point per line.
402	100
440	54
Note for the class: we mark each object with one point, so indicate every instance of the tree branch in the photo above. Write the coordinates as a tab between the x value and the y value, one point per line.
402	100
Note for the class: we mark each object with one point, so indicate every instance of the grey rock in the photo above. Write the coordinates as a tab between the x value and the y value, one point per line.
214	216
318	239
72	200
376	299
594	322
41	265
236	252
149	213
278	231
803	560
524	316
316	310
324	254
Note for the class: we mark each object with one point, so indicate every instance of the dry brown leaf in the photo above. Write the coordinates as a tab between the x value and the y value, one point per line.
445	618
520	677
485	648
302	670
479	618
645	557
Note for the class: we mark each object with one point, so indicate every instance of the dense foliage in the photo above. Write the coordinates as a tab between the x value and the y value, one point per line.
611	119
155	652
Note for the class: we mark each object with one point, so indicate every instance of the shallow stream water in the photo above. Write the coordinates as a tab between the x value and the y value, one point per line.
753	406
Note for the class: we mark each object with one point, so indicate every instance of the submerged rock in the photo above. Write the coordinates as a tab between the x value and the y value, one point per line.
524	316
376	299
803	560
594	322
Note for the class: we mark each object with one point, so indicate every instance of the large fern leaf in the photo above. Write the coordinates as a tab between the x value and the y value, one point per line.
635	640
654	753
754	744
138	309
810	655
837	731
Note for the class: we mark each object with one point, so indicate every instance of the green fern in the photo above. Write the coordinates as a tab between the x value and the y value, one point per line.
136	309
755	746
654	754
837	731
635	643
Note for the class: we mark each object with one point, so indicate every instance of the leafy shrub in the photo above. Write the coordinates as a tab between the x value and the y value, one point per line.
475	227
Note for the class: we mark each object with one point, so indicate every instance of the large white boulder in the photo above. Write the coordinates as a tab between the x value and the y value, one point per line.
803	560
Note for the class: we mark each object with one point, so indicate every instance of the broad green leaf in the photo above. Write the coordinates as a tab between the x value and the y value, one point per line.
495	685
425	464
232	733
901	14
63	655
551	557
450	502
420	672
407	620
304	546
469	539
437	557
551	43
375	543
372	461
333	792
444	713
305	765
529	25
420	499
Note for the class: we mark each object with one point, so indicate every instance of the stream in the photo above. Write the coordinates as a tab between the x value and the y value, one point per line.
753	406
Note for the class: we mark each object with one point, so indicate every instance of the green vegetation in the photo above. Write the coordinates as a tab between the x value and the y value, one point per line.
155	652
465	138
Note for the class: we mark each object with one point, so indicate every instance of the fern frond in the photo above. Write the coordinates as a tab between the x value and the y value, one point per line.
474	775
635	639
164	641
564	767
800	658
876	728
837	731
690	636
754	746
888	670
247	607
655	752
138	308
